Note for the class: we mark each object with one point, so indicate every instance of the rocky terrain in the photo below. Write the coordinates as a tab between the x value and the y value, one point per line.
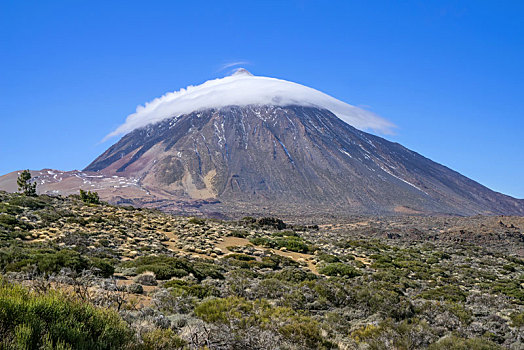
365	283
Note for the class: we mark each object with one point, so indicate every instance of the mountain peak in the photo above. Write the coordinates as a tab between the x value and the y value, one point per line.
242	71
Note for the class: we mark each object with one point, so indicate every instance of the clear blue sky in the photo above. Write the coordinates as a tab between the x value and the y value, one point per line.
450	75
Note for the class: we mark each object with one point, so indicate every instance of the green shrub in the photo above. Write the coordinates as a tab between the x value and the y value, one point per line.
50	260
241	315
509	287
166	267
50	215
76	220
276	262
104	266
263	241
32	321
294	244
162	339
248	220
339	269
294	275
447	293
238	233
304	332
10	209
463	314
408	334
10	222
517	320
241	257
27	202
197	221
242	261
328	258
509	267
272	222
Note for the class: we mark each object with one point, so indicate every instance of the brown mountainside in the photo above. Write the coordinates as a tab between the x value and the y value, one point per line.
291	159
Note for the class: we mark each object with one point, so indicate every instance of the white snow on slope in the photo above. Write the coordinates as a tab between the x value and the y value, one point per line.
242	89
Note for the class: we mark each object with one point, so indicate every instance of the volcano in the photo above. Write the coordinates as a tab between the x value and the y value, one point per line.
245	144
255	142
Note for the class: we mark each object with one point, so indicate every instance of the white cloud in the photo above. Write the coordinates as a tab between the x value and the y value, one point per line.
233	64
243	89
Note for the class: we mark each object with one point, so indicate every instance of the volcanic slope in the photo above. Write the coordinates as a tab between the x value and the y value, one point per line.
293	159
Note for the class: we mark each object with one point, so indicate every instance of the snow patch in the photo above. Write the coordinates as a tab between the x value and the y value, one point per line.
346	153
401	179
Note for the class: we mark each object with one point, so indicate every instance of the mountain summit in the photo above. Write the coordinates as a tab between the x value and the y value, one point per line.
255	144
242	71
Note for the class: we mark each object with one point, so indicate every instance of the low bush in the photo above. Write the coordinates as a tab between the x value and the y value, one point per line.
284	234
339	269
197	221
199	291
10	209
328	258
54	321
509	287
293	275
272	222
146	278
162	339
10	223
162	271
18	258
238	233
517	319
203	270
456	343
240	315
28	202
445	293
166	267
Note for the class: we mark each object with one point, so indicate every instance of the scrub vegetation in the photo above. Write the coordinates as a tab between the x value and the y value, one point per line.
80	274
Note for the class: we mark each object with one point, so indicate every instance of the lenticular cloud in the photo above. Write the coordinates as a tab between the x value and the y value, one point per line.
241	89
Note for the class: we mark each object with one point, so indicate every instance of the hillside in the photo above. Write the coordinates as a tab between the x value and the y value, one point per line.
290	160
263	283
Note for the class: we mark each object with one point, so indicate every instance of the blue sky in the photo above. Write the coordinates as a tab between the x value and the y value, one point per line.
450	75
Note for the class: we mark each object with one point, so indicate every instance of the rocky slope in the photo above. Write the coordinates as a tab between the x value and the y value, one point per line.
291	159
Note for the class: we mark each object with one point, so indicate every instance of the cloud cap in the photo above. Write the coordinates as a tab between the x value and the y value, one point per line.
242	89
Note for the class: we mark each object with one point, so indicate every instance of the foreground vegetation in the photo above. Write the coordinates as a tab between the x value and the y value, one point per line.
81	274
